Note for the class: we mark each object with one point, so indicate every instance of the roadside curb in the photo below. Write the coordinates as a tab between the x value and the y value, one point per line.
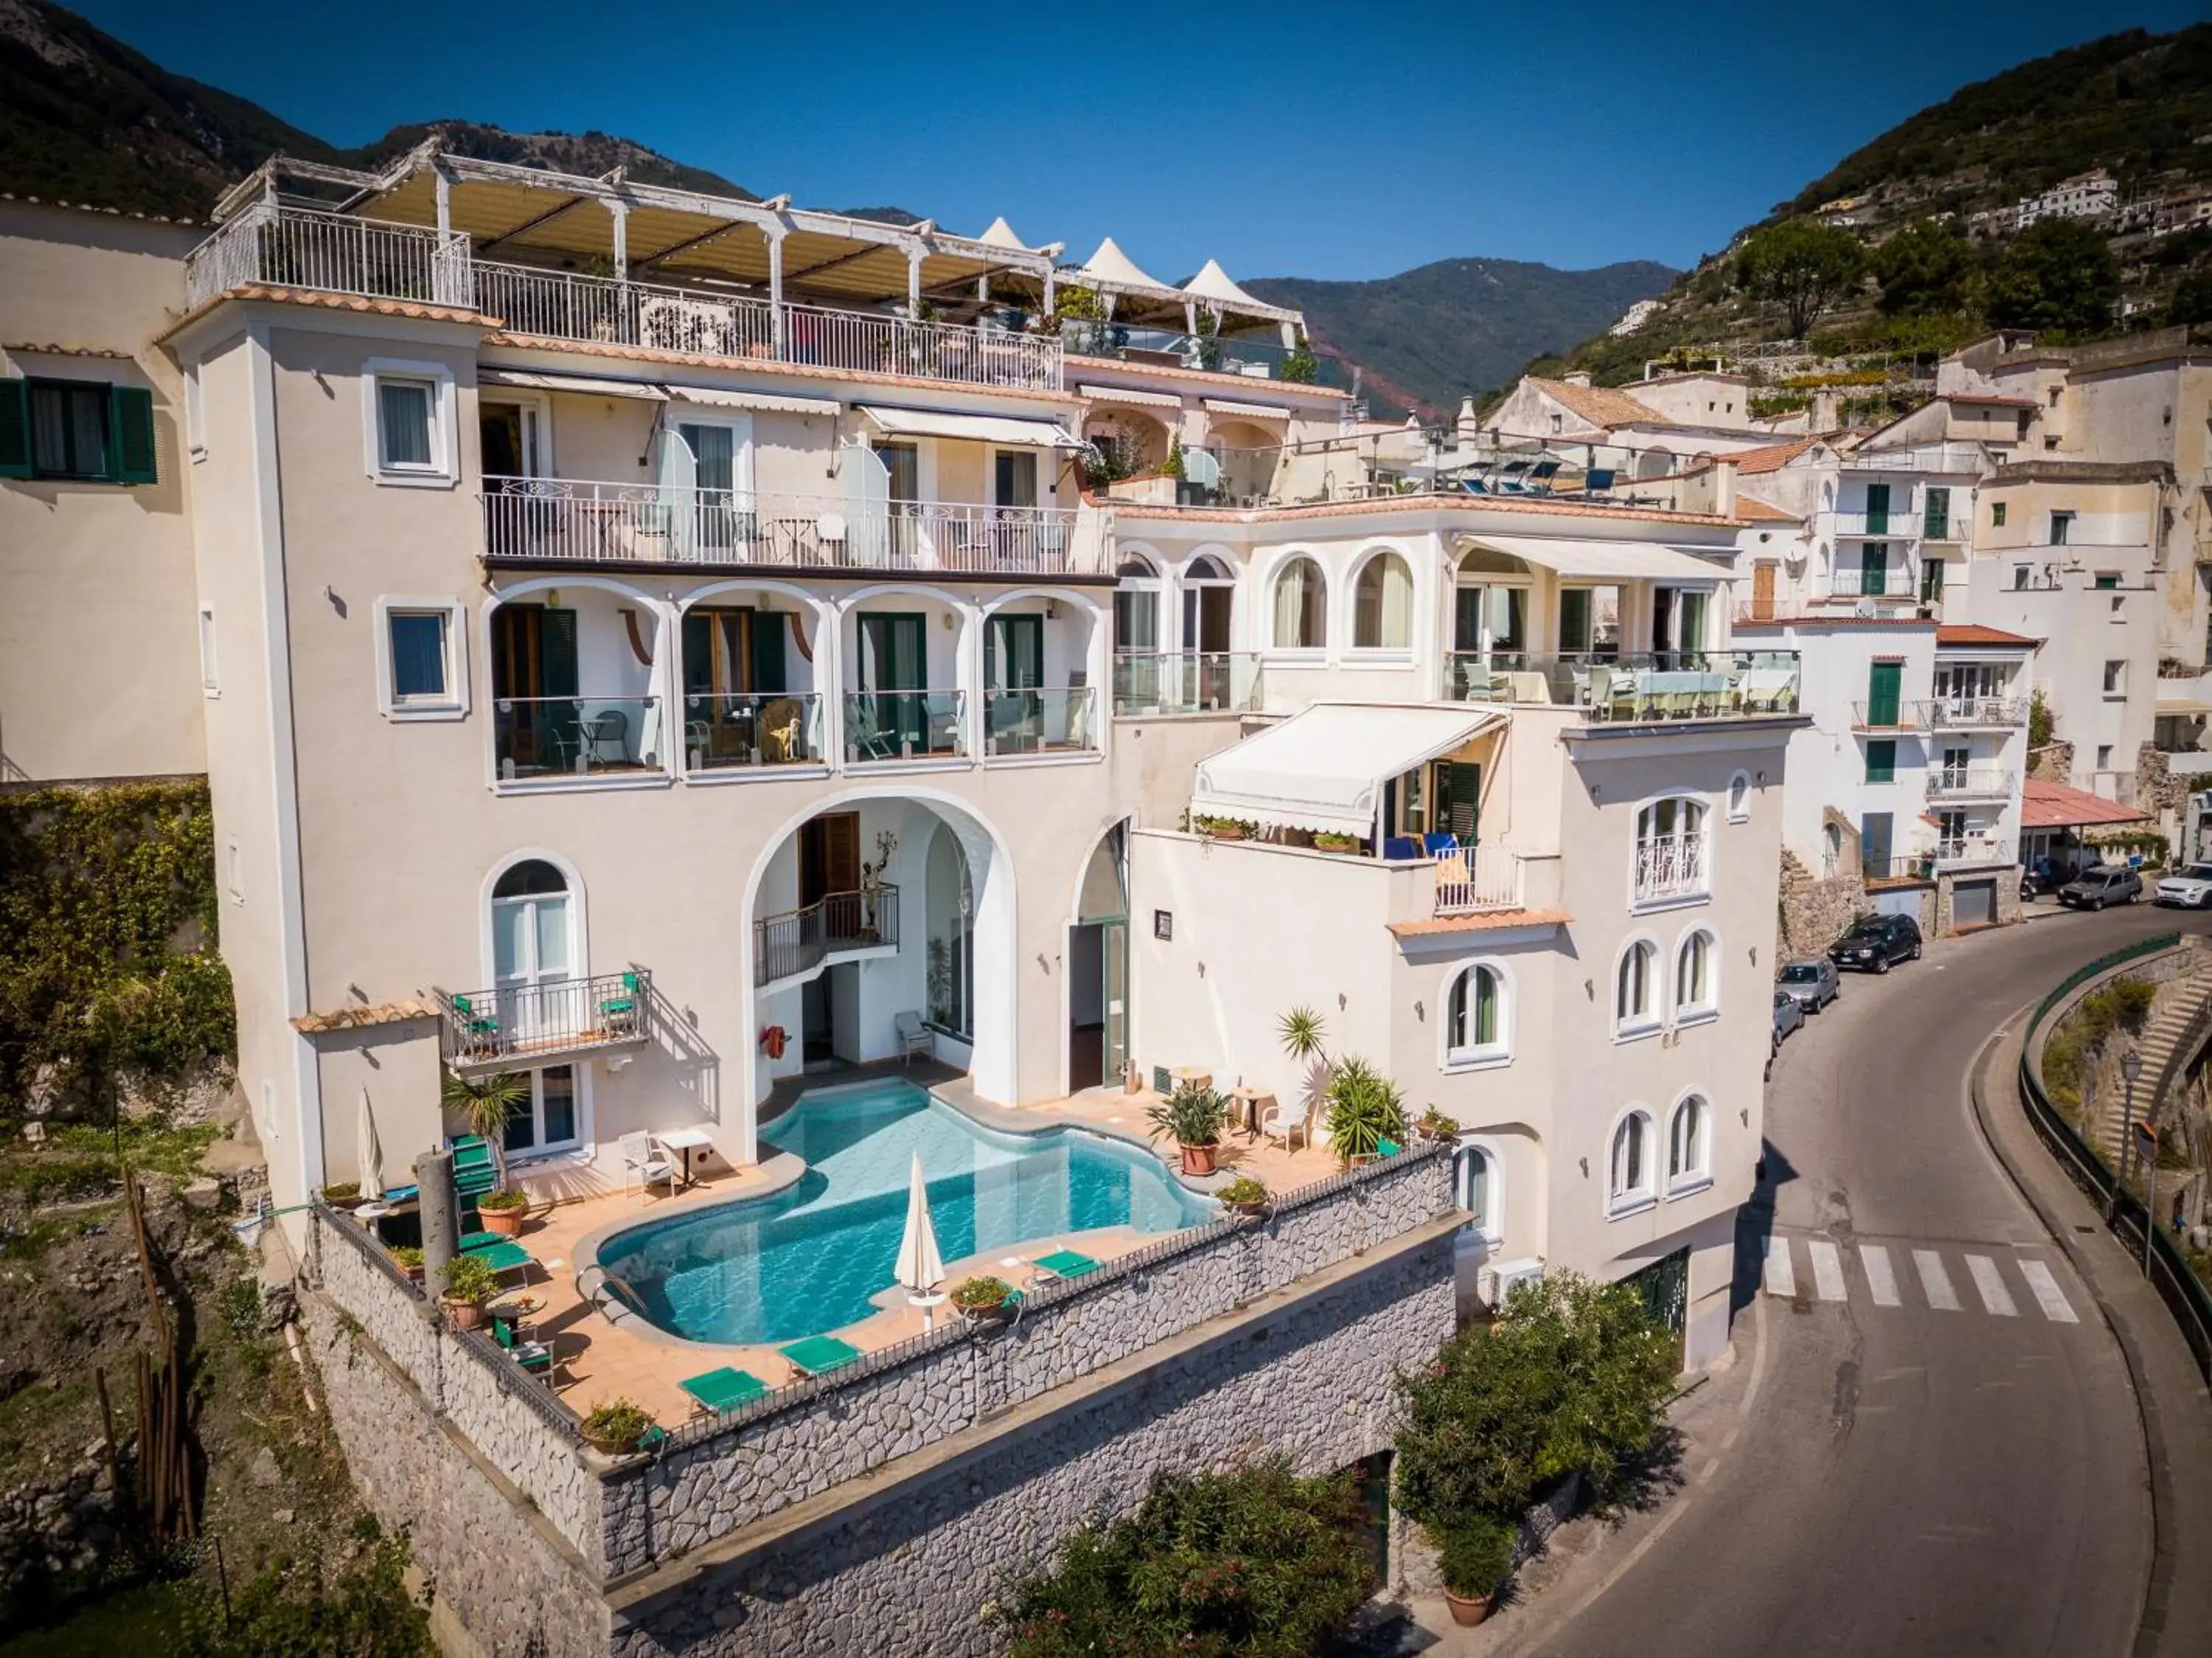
2174	1611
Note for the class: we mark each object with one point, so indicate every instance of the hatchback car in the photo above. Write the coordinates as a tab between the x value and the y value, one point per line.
1875	943
1812	983
2191	888
1789	1014
2093	889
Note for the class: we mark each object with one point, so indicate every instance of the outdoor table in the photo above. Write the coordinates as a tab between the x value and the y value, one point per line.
1250	1100
683	1141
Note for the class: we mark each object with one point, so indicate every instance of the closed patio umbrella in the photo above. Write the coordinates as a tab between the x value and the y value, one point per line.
371	1155
921	1268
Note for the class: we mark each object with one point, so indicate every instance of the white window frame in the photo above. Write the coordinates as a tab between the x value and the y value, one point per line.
1702	892
1380	654
210	654
1478	1055
444	471
1491	1231
1622	1202
579	955
455	704
1627	1027
584	1144
1273	651
1698	1013
1697	1175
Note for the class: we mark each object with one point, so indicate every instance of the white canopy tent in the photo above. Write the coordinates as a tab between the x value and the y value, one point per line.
1610	561
1323	769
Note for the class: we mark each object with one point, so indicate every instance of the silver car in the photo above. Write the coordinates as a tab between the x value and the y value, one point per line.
1812	983
1789	1014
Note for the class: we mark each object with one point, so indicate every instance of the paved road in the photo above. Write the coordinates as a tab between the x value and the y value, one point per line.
1944	1454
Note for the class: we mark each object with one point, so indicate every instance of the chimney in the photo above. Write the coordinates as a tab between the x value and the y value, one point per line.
1466	427
1576	377
1823	416
1725	486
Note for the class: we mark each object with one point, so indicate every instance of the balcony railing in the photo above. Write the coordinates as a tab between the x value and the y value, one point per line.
334	253
1970	782
515	1024
1687	684
905	725
1672	866
1903	716
1057	719
1974	849
1957	713
741	730
1889	581
557	519
799	940
1479	878
1898	524
578	736
1255	359
1187	682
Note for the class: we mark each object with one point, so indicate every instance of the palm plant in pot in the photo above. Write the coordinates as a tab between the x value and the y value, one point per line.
469	1282
485	1103
1365	1109
1193	1115
1474	1559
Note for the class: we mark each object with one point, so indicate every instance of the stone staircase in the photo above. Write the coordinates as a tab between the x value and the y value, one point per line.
2176	1032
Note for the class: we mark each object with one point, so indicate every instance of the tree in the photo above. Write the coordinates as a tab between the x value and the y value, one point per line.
1803	266
1924	270
486	1102
2192	300
2058	274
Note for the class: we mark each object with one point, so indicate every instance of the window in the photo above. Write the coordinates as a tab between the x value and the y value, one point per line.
553	1118
2061	528
76	430
1383	605
1739	798
1997	514
2115	677
1558	422
268	1109
2019	578
233	870
419	644
2107	580
404	423
1474	1187
1696	993
534	949
1671	861
1301	602
1936	514
1881	760
2103	757
1629	1186
1633	983
409	423
1137	607
208	682
1689	1164
1478	1026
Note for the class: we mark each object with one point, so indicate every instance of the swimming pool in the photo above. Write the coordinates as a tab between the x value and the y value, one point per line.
810	1259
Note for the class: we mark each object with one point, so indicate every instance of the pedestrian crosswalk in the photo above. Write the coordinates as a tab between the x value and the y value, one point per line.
1831	1279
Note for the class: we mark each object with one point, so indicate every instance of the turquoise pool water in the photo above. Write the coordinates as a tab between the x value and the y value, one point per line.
809	1260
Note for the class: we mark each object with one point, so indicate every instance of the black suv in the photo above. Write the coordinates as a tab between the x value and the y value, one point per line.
1876	941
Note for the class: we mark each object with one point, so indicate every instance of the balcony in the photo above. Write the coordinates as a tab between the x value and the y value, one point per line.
1187	682
798	940
886	726
572	522
1898	524
1698	685
527	1024
1978	713
1894	583
1902	716
1120	342
332	252
1040	720
726	731
553	738
1965	850
1972	783
1670	867
1476	879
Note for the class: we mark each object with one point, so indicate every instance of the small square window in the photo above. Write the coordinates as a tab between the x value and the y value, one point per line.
2061	528
418	656
405	425
1163	925
2107	580
2019	578
2115	677
1997	514
1881	760
2103	757
422	658
209	683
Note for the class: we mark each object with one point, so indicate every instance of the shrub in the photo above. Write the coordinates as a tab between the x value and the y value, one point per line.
2073	1049
502	1201
1573	1376
1256	1561
1191	1116
302	1605
619	1421
470	1278
1242	1189
973	1294
409	1257
1365	1109
1475	1555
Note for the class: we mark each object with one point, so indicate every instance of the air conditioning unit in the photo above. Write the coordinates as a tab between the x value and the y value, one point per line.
1496	1283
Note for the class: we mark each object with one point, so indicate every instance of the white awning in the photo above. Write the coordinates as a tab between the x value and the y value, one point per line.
1124	395
531	380
1222	405
983	429
1324	769
723	397
1607	560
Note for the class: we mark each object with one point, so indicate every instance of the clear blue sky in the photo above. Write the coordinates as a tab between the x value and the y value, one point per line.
1336	140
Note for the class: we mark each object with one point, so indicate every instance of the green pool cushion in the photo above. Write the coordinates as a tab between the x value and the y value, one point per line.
819	1353
724	1389
1386	1147
501	1254
1067	1264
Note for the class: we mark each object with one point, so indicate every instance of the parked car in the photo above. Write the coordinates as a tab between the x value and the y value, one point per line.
2093	889
2191	888
1875	943
1812	983
1789	1014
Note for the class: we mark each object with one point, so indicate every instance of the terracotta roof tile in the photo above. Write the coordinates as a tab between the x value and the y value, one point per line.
1480	922
1753	510
1773	457
356	1018
2055	806
1977	633
1602	405
1406	504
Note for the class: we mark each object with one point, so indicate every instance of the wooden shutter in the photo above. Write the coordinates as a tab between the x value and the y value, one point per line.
130	435
559	629
698	653
1877	513
767	631
14	429
1885	683
1461	806
841	852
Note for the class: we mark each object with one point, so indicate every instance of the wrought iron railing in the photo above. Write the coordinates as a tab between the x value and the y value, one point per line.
796	941
1479	878
1187	682
1261	358
519	1023
1040	720
1637	686
1985	711
1672	866
1904	714
1970	782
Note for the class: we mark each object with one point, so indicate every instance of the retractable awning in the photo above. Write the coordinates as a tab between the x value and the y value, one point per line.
1606	560
1223	405
1126	394
723	397
1323	769
982	429
531	380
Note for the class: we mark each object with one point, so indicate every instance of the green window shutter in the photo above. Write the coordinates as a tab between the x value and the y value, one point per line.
1462	799
768	651
1881	760
1885	685
698	653
557	652
1937	522
14	429
1877	508
130	435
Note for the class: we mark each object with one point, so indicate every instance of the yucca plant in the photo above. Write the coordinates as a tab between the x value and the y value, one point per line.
1364	1107
485	1103
1302	1032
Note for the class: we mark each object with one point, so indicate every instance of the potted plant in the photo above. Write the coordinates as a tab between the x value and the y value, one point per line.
409	1260
1219	828
1327	842
1193	1115
1365	1109
346	1196
615	1426
1474	1559
983	1299
1435	1125
503	1211
469	1282
485	1103
1245	1196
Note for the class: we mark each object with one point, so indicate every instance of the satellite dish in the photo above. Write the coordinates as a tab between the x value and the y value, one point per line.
1865	610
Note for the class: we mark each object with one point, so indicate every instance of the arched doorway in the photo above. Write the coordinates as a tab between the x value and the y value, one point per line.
1097	978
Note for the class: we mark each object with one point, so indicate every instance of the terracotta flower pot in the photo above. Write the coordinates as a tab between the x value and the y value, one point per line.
1198	1160
1227	831
1465	1609
606	1446
1250	1211
465	1315
507	1222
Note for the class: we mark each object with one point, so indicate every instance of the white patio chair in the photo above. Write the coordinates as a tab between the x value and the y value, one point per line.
912	1037
1284	1117
645	1164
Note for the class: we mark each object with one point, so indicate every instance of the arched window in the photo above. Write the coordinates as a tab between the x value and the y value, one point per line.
1137	607
1634	1003
1630	1179
1474	1187
1383	605
1478	1017
533	940
1301	606
1687	1158
1671	850
1696	995
949	911
1208	591
536	952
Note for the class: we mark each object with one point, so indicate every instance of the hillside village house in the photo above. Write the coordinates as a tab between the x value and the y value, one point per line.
1658	426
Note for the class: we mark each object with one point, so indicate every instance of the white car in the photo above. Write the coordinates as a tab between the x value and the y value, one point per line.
2189	888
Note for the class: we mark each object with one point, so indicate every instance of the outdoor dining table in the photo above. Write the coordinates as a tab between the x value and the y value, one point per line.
683	1141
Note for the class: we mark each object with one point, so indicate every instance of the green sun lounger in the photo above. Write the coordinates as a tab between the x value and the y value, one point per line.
1066	1264
724	1389
501	1254
819	1353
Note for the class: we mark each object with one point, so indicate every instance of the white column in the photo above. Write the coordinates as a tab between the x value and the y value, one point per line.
1051	297
620	212
914	258
776	291
445	189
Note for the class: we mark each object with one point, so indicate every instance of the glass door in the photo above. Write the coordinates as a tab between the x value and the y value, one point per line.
714	454
1013	672
1114	938
531	958
893	674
